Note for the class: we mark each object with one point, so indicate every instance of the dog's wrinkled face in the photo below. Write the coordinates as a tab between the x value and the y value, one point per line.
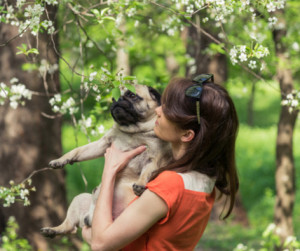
132	108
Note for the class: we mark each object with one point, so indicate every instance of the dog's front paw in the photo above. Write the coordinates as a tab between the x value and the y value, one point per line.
57	164
48	232
138	189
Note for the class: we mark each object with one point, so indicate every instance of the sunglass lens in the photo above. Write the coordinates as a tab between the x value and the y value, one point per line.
202	78
194	91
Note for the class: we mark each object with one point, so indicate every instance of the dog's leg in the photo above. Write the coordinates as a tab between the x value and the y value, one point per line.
140	186
90	151
78	208
67	227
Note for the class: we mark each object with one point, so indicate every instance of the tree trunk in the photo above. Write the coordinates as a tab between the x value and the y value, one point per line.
196	43
122	54
29	140
172	65
285	168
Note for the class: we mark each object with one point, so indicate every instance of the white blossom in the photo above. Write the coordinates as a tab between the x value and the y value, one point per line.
263	66
55	108
92	75
294	103
243	57
150	22
204	20
272	21
24	193
13	104
26	201
14	80
9	200
100	129
95	88
98	98
270	229
20	3
119	19
88	122
51	2
131	12
271	7
252	64
295	46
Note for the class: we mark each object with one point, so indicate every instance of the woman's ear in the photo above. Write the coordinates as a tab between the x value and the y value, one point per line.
188	136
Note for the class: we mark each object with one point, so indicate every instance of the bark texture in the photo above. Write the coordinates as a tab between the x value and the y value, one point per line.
285	167
122	53
29	140
196	44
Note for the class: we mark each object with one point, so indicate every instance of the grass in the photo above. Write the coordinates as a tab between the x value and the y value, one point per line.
255	157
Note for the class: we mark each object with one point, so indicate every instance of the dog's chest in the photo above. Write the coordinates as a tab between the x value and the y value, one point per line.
126	142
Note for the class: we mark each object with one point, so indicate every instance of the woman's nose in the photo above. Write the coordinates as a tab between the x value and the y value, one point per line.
158	110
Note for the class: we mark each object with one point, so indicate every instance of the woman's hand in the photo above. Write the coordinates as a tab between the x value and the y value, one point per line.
87	234
116	160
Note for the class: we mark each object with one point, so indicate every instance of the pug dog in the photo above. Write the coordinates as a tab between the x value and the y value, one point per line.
134	116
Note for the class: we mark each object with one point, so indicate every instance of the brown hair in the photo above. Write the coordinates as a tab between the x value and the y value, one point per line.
212	151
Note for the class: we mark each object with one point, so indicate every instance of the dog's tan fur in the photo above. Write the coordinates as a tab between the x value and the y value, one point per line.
137	172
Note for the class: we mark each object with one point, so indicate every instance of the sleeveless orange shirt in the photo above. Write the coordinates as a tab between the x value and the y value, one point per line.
190	198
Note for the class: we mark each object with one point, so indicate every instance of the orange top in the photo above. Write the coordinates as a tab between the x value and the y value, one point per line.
187	217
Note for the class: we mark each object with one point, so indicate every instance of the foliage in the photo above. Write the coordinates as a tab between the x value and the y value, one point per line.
91	36
19	192
271	240
10	240
17	93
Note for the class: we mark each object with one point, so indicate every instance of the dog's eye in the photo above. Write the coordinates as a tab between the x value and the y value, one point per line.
130	94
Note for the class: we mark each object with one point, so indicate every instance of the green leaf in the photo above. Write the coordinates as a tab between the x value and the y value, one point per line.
129	78
109	18
95	12
33	50
116	83
29	67
130	88
116	93
104	11
217	48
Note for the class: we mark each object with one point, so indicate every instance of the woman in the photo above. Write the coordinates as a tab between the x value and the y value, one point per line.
198	118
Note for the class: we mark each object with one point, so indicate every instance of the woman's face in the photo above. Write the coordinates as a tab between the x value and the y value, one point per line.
165	129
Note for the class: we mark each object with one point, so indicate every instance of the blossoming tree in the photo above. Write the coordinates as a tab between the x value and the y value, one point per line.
92	32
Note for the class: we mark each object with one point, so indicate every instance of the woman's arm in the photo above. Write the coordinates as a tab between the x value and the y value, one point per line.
135	220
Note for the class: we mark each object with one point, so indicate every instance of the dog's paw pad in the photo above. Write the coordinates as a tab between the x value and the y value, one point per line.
138	189
87	221
56	164
48	232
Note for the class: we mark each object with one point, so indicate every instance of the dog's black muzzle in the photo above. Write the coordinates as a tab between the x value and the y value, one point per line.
123	112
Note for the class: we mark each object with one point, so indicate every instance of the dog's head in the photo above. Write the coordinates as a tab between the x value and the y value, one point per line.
133	109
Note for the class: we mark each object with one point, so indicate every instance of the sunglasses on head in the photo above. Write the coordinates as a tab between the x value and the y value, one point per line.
195	90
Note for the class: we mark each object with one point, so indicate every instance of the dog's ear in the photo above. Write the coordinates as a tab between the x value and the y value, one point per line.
155	95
